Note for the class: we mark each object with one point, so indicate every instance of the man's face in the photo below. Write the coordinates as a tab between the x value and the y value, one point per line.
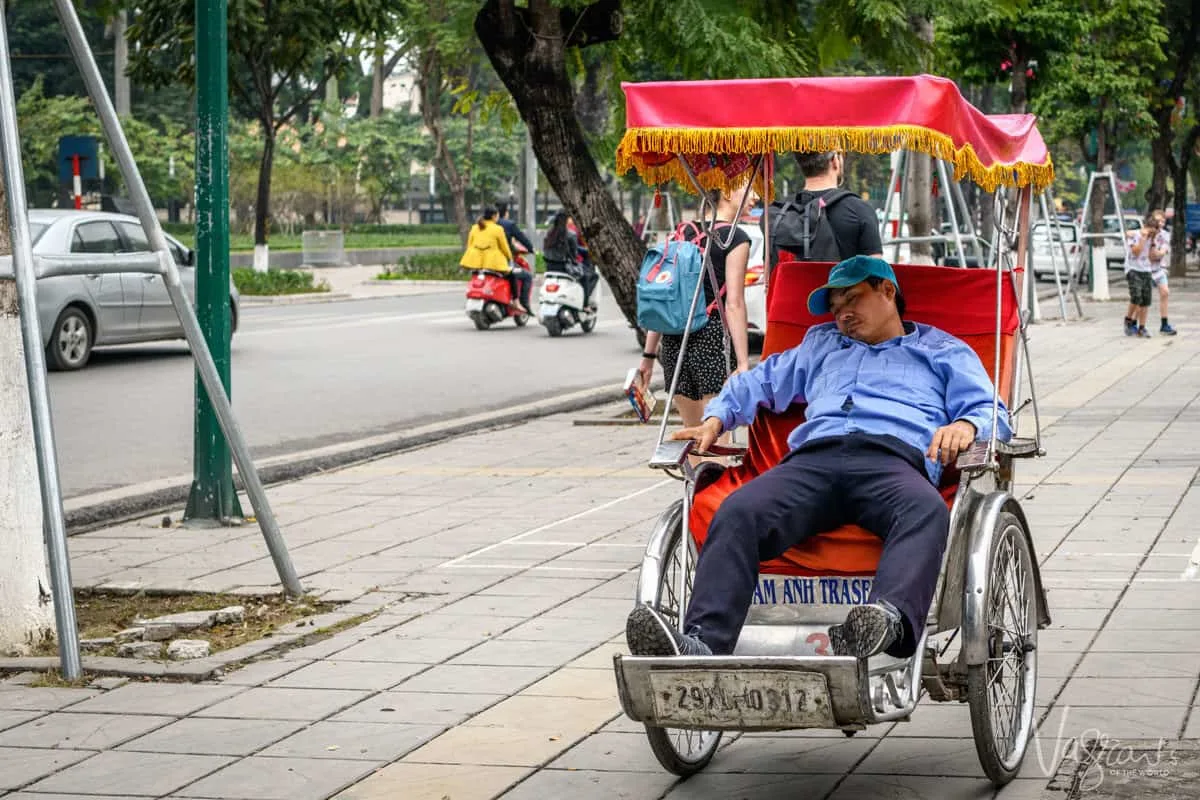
864	312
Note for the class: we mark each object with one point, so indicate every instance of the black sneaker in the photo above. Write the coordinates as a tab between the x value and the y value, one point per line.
868	630
1131	327
648	634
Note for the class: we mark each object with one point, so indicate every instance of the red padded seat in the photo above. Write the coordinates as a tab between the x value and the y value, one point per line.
959	301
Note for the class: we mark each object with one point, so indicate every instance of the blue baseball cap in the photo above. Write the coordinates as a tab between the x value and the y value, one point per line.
848	273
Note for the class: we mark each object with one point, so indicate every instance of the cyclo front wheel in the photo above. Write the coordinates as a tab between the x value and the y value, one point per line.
682	752
1000	691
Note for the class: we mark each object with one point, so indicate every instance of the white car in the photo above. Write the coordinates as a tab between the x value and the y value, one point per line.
756	285
1114	250
1046	238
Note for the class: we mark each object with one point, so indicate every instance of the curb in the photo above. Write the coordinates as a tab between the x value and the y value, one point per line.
91	511
293	299
218	664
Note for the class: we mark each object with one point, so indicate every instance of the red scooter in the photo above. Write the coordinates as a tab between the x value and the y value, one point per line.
489	295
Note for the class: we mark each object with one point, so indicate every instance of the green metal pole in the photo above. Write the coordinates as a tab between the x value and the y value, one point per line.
212	497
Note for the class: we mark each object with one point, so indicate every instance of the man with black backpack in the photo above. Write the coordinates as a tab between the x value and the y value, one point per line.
824	222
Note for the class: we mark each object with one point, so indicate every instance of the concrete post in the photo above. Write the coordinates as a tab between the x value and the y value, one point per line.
26	609
1099	271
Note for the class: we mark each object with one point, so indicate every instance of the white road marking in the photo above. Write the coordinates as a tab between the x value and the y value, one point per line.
519	536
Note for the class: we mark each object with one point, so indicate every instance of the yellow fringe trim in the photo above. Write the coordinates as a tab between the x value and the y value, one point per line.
664	142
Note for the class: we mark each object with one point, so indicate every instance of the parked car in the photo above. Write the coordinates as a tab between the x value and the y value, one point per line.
1045	237
756	286
79	312
1114	249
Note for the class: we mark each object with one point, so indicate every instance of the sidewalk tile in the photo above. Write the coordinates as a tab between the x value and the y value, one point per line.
1139	692
11	719
25	698
173	699
1124	665
724	786
265	702
1137	619
907	787
914	756
471	678
1147	640
19	765
335	674
367	741
260	672
74	731
528	745
447	625
214	737
131	774
392	647
583	683
438	782
504	652
424	708
567	714
260	778
1127	722
605	750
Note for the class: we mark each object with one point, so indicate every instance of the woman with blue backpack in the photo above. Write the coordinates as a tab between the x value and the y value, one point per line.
705	366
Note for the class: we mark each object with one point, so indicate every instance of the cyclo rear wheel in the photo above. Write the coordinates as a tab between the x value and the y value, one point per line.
682	752
1000	692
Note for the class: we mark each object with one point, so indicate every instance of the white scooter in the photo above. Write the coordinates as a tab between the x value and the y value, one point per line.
560	304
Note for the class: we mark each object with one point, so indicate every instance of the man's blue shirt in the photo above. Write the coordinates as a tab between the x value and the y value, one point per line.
906	387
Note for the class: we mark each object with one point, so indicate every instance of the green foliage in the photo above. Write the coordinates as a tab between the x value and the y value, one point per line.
973	39
427	267
275	282
1105	76
40	52
154	141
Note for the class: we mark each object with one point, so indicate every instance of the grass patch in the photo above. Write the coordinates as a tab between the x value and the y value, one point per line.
434	267
53	679
101	615
355	240
277	281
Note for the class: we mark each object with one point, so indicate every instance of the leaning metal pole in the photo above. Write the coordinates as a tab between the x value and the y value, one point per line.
205	366
53	527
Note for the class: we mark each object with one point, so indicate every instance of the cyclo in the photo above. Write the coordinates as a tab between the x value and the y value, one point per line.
980	641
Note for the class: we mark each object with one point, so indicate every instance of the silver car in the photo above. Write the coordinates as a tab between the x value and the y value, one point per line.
79	312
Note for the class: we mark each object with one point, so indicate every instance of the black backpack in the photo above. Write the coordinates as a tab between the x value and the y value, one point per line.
804	230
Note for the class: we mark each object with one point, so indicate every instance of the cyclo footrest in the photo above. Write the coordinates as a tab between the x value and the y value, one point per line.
744	693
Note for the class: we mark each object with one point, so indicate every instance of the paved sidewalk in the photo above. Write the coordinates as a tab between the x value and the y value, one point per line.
505	563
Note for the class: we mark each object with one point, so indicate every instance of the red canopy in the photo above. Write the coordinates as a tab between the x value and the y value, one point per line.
719	125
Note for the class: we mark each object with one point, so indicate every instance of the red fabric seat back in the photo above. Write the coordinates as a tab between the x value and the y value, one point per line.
961	302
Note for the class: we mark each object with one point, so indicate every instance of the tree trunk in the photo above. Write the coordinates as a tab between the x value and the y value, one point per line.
531	63
26	607
1179	184
262	203
429	84
919	195
1160	154
377	77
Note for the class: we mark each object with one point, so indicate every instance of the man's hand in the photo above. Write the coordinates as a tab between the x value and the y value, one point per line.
951	440
704	434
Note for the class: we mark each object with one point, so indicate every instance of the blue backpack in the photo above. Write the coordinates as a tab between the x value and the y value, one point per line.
667	282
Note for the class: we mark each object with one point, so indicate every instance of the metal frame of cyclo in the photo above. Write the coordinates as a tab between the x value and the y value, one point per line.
27	269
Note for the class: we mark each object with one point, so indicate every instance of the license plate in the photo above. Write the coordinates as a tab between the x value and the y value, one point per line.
548	309
750	698
475	305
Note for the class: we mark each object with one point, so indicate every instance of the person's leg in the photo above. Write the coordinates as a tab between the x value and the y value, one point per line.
756	523
890	497
1164	293
1131	311
526	288
514	286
